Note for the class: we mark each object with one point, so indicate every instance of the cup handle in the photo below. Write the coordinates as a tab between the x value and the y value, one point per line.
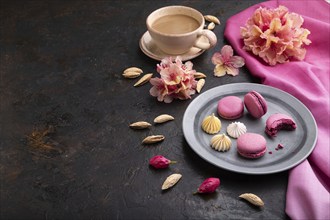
212	38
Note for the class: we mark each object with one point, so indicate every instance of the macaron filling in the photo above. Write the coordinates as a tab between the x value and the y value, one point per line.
281	124
260	101
255	104
252	154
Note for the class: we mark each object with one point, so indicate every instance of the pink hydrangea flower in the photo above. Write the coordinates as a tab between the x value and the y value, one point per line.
275	35
176	80
225	62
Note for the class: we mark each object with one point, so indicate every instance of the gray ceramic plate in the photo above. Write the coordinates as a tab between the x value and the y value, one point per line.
298	144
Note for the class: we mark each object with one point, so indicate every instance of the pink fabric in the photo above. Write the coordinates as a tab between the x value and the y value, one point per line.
309	182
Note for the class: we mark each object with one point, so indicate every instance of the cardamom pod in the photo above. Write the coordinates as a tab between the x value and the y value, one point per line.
133	69
199	75
143	79
253	199
200	85
211	26
171	181
163	118
131	74
212	18
153	139
140	125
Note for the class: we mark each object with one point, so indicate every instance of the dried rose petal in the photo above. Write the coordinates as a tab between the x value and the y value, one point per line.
160	162
209	185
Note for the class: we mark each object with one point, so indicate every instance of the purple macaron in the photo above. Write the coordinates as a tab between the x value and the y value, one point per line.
251	145
277	122
255	104
230	107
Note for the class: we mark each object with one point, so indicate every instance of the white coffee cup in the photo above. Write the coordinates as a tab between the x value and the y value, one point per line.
176	29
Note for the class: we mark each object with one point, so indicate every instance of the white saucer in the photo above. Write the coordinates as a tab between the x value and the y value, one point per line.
150	49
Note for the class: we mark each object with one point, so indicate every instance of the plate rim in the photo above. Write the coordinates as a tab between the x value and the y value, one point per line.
243	87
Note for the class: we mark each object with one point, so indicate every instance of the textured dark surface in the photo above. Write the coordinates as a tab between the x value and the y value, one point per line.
60	66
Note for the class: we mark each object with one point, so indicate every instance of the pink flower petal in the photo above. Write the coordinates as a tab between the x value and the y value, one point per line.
153	91
171	75
227	52
178	61
237	61
232	71
275	25
217	58
168	99
220	70
189	65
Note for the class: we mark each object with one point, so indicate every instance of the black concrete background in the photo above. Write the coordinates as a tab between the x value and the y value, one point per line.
61	64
